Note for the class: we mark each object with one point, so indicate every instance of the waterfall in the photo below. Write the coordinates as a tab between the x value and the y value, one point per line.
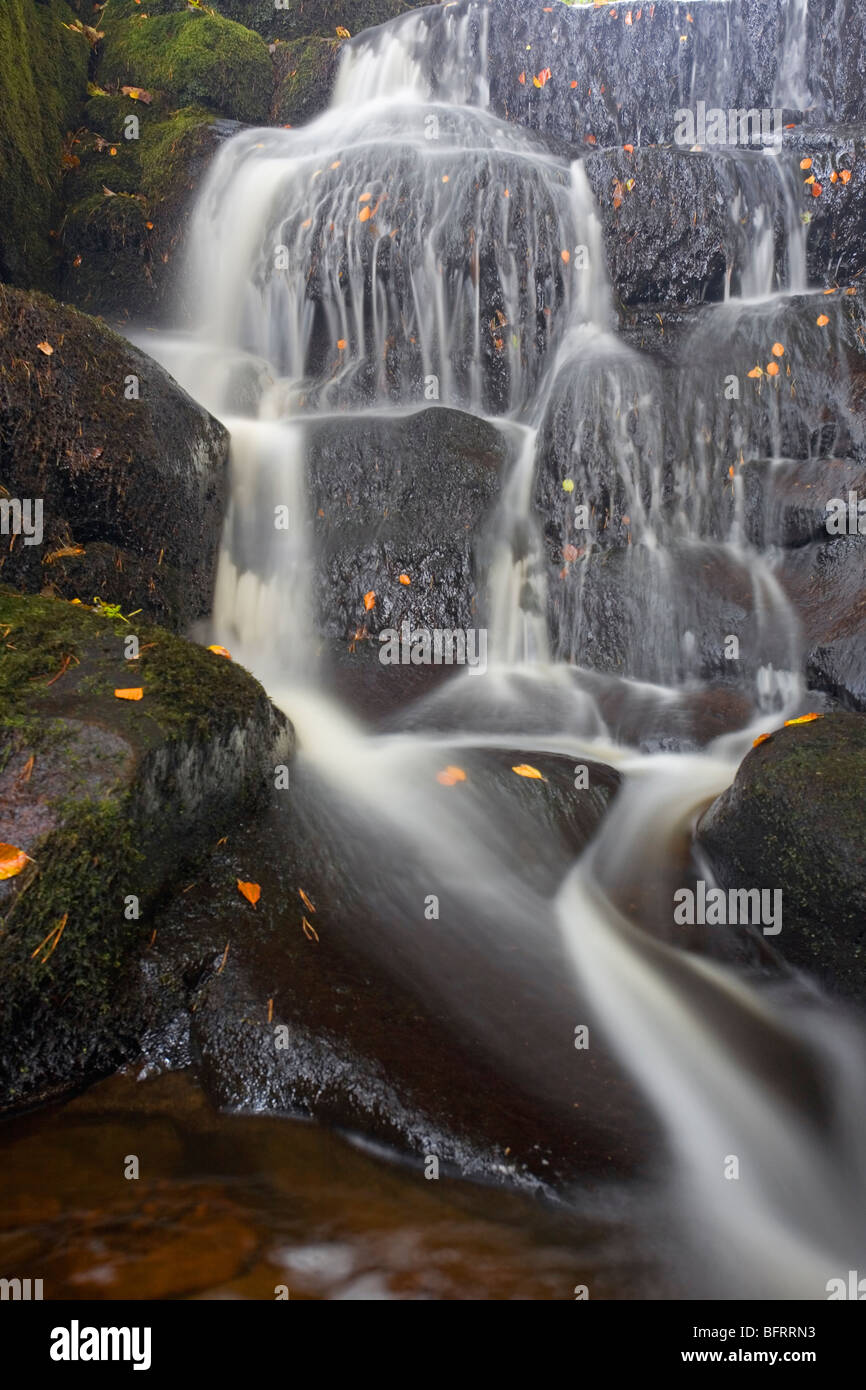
409	251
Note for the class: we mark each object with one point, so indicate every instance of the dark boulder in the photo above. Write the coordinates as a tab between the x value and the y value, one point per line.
826	581
405	496
132	489
794	820
112	799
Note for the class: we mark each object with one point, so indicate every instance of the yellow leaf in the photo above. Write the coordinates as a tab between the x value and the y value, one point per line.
450	776
12	861
762	738
804	719
342	32
755	372
46	348
132	693
525	770
220	651
251	891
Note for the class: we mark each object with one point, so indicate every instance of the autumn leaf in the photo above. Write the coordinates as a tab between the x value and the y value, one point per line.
365	214
251	891
822	320
755	373
309	931
370	600
568	485
12	861
46	348
526	770
762	738
806	163
342	32
566	256
804	719
845	175
778	350
450	776
404	579
132	693
342	344
817	190
772	369
137	94
220	651
305	900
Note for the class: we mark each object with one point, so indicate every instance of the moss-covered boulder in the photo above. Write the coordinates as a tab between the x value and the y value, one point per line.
130	473
129	205
43	77
305	70
795	819
193	57
111	798
295	19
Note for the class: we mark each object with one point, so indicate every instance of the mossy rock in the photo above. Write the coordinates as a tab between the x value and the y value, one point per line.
122	256
132	487
795	819
193	58
296	19
120	797
306	69
43	80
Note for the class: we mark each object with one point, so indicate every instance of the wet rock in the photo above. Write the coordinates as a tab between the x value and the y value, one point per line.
834	249
785	501
123	255
446	1032
305	71
132	490
826	582
793	820
401	496
111	798
43	76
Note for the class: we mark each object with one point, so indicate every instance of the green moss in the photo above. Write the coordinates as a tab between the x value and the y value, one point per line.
43	78
196	59
302	18
305	74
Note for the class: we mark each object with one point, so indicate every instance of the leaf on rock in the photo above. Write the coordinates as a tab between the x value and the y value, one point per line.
132	693
251	891
12	861
526	770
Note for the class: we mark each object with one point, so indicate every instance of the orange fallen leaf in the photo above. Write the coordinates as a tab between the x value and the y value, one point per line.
834	177
309	931
404	579
365	214
450	776
817	190
822	320
772	369
12	861
804	719
778	350
342	344
629	149
566	256
805	163
251	891
46	348
522	79
845	175
370	600
755	372
526	770
306	901
762	738
220	651
132	693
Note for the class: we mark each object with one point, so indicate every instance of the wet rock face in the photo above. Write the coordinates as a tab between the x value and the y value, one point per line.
130	472
112	799
438	1030
793	820
295	19
408	496
304	71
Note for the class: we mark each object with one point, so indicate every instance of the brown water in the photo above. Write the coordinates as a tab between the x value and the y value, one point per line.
234	1206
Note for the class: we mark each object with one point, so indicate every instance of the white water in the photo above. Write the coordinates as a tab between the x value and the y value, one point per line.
407	295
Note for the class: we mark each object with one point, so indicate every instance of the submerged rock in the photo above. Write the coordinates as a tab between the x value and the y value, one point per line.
794	820
129	472
439	1025
111	798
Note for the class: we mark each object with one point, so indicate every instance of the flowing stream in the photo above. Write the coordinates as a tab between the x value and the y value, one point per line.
409	249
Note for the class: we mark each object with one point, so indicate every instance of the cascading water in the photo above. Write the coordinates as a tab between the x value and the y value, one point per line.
409	251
